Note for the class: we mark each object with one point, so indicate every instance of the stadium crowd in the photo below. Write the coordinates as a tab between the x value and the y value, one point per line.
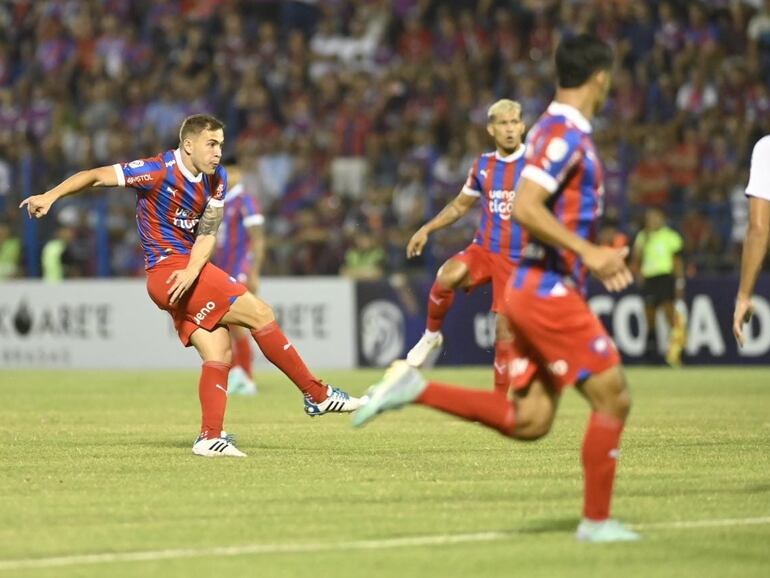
355	120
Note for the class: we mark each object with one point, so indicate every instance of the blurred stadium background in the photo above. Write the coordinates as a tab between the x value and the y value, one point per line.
355	121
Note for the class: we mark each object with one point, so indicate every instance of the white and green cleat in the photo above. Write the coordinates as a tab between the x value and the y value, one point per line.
429	342
401	385
605	531
239	383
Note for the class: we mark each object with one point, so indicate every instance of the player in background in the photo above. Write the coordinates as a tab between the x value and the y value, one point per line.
240	250
757	236
496	246
558	341
179	206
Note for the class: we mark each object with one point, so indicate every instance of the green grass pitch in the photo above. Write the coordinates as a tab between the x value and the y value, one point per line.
99	463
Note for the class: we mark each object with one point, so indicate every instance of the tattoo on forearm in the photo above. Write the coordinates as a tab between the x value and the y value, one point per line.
210	220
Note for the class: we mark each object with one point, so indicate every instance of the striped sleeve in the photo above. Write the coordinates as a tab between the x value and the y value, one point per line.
141	174
251	214
472	184
759	175
551	155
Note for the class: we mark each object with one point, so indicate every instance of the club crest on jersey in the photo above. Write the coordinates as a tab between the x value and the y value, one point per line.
501	202
557	149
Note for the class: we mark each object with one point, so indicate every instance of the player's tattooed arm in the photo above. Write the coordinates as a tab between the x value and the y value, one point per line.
210	221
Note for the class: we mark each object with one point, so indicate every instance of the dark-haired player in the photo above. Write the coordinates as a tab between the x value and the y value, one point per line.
558	341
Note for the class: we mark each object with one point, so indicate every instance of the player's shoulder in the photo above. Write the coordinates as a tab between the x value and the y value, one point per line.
762	146
152	163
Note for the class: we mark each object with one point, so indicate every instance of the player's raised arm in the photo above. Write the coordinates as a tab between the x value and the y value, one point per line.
39	205
452	212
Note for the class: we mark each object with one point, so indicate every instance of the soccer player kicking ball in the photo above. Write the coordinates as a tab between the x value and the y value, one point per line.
179	206
240	248
558	341
496	246
756	241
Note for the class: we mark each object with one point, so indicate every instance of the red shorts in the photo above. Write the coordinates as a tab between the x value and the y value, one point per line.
557	338
485	266
204	304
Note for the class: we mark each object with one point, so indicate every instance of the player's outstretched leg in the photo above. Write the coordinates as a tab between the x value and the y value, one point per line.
527	417
610	401
320	398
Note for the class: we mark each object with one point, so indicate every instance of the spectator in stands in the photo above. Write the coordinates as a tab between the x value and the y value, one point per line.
351	90
10	252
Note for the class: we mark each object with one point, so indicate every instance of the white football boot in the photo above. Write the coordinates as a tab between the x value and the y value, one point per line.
337	402
427	343
238	383
604	531
216	447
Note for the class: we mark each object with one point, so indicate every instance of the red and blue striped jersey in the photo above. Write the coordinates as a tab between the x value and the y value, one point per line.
561	157
495	178
242	211
170	201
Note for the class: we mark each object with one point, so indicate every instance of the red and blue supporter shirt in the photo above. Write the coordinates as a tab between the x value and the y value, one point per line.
234	242
561	158
170	201
495	177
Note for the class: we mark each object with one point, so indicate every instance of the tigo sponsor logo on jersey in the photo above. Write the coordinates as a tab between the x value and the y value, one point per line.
185	219
500	202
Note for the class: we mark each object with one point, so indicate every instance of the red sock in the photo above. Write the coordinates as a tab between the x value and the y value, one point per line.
242	353
439	302
600	457
503	355
281	353
212	391
487	407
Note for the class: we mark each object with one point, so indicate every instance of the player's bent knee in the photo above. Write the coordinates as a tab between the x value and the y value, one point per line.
623	403
451	274
531	431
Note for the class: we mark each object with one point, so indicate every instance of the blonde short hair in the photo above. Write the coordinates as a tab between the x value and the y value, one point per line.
501	107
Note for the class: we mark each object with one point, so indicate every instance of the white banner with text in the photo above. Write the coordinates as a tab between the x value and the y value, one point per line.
113	324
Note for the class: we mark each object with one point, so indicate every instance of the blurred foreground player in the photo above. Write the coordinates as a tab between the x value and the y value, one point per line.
240	248
179	206
558	341
757	236
496	246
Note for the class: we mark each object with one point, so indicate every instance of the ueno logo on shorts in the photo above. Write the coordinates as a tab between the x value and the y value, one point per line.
205	310
500	202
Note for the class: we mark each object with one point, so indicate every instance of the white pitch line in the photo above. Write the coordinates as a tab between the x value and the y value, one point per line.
688	525
383	544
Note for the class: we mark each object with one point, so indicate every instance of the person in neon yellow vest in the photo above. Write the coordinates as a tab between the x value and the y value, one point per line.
657	259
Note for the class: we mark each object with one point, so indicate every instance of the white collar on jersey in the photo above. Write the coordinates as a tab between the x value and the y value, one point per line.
511	157
187	174
573	114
